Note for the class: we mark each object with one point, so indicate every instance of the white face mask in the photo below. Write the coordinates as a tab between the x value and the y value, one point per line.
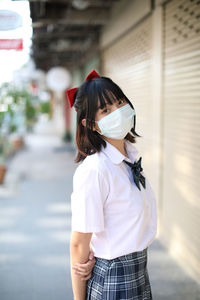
118	123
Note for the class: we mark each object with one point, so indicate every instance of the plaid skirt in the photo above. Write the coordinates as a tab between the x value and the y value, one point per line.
122	278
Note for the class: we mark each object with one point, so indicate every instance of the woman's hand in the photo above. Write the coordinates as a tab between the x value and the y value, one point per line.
85	270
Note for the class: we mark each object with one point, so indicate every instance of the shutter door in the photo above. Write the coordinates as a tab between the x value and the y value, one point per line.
181	143
128	62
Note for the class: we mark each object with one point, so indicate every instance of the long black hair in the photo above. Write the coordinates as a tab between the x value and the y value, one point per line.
100	90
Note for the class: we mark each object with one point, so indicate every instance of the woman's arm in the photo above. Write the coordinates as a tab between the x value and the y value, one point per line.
79	253
85	270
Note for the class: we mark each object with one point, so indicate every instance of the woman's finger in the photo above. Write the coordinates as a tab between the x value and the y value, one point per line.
80	273
93	259
83	269
91	254
86	277
77	266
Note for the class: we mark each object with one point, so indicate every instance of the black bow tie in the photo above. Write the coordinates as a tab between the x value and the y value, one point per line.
137	176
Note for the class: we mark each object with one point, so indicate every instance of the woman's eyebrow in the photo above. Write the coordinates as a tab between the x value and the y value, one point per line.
102	107
105	105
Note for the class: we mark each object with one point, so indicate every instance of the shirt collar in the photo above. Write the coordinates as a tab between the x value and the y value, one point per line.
116	156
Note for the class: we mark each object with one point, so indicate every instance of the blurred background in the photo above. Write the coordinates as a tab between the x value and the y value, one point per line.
151	49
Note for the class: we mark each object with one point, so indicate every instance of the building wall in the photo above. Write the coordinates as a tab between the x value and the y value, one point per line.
153	54
134	11
181	123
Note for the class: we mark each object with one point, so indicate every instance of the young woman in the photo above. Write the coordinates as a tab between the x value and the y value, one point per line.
113	204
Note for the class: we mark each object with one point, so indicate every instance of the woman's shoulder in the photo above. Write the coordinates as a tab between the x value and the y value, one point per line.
92	163
90	176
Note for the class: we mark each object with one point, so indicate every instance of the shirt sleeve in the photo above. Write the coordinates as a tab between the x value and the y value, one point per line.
87	200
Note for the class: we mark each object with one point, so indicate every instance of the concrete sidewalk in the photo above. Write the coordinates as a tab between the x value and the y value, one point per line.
35	229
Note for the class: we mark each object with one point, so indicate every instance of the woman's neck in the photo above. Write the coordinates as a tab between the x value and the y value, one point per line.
119	144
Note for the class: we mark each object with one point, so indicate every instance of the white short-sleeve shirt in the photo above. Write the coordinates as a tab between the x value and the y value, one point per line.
106	202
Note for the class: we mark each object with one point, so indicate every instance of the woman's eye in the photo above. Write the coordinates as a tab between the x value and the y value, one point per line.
105	110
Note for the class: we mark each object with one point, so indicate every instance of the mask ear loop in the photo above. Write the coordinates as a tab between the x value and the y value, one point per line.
97	130
134	119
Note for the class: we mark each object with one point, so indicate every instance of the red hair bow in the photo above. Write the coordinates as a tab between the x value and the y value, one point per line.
71	92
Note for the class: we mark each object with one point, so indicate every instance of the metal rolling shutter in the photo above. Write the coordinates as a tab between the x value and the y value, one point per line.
181	115
128	62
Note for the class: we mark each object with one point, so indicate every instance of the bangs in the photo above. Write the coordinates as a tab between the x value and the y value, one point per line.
108	94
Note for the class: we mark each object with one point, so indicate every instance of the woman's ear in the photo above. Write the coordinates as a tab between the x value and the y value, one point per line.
83	121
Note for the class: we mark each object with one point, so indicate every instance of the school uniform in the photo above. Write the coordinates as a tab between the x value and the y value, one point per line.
123	219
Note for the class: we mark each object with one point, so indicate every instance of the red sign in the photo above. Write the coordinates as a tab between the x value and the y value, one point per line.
10	44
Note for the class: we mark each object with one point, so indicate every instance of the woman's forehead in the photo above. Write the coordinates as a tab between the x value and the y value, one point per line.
109	99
